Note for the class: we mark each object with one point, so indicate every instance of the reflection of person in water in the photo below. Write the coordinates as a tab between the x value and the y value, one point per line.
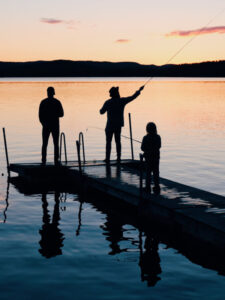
51	237
150	261
108	173
113	228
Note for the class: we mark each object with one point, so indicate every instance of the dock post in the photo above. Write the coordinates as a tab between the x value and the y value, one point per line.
81	141
62	138
78	156
141	175
131	137
6	151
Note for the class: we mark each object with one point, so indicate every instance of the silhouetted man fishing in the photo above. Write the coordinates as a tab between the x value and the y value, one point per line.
50	111
115	120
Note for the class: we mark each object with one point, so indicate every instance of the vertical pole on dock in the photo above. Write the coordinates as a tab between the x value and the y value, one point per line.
131	137
141	175
81	141
6	150
78	156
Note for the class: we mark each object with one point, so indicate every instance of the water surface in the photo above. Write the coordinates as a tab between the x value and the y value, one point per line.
54	245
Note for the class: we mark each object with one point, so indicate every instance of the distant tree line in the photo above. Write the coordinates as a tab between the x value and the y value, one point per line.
68	68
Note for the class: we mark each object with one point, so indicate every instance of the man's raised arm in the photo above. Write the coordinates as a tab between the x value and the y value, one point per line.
134	96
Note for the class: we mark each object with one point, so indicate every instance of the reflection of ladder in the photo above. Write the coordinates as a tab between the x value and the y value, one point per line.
62	199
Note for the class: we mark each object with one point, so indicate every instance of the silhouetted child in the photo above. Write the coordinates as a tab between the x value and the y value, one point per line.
151	144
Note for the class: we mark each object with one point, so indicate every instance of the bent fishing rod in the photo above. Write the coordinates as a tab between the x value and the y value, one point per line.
188	42
124	136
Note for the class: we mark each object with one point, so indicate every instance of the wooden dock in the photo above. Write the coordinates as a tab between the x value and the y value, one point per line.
188	210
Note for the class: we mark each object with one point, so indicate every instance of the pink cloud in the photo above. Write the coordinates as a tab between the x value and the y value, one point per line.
122	41
70	23
206	30
51	21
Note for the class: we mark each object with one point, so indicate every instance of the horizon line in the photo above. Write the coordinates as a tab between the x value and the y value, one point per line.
107	61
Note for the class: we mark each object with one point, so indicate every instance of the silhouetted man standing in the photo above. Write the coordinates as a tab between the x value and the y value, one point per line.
115	120
50	111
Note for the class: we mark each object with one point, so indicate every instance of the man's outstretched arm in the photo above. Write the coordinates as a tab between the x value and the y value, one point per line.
134	96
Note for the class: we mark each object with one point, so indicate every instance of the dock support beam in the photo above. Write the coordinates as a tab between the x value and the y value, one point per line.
131	138
6	151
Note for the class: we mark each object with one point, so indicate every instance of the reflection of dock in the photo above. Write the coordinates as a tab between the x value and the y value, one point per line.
189	210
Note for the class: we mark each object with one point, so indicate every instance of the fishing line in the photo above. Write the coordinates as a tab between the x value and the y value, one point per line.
169	60
124	136
188	42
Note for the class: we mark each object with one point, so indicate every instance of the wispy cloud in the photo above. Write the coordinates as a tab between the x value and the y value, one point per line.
122	41
70	24
51	21
200	31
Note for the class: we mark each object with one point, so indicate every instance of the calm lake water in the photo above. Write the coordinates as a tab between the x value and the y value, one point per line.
55	246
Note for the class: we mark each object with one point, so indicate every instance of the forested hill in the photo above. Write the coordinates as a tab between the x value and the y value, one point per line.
68	68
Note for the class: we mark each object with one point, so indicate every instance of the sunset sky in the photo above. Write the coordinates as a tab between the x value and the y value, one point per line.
144	31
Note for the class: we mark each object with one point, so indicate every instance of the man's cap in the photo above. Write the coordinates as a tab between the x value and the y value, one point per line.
114	89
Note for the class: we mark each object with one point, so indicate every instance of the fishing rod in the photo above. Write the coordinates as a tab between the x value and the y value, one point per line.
124	136
169	60
189	41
